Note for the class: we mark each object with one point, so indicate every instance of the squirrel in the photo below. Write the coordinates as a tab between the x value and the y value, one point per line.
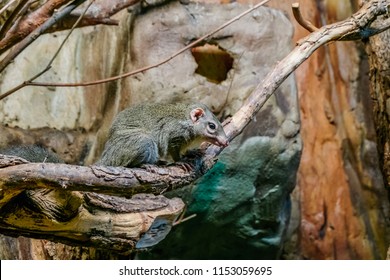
146	133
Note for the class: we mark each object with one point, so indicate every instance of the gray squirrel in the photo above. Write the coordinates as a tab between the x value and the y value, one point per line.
147	133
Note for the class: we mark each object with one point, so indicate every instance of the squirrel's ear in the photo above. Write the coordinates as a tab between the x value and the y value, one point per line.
196	114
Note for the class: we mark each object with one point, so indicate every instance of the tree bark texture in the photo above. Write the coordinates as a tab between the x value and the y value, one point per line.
342	201
378	49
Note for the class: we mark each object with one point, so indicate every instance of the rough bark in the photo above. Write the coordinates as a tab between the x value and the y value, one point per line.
343	207
378	49
100	13
91	220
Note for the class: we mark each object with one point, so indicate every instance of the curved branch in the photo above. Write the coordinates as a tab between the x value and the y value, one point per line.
351	28
299	18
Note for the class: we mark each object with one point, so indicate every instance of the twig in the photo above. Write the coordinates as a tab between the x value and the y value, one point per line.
51	61
299	18
196	42
69	33
182	220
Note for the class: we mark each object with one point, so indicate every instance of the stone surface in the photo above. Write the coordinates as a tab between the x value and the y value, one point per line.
243	204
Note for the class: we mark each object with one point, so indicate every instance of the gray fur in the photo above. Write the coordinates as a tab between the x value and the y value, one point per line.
145	133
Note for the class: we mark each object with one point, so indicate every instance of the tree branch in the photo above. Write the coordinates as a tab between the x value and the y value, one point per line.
299	18
100	14
19	10
352	28
114	224
17	173
24	84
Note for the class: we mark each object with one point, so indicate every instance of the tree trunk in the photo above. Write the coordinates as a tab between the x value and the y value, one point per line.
343	204
378	50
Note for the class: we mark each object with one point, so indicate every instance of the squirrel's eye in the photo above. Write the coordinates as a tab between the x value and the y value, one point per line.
212	126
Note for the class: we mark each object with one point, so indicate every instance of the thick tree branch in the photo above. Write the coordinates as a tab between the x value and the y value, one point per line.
100	13
108	180
352	28
110	223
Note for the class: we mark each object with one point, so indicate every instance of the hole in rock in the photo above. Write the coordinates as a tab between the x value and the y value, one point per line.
213	62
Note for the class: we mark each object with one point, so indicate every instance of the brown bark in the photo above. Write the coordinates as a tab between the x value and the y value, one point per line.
378	49
17	174
88	219
343	204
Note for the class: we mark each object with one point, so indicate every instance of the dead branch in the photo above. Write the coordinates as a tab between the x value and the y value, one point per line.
363	24
18	174
102	11
114	224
